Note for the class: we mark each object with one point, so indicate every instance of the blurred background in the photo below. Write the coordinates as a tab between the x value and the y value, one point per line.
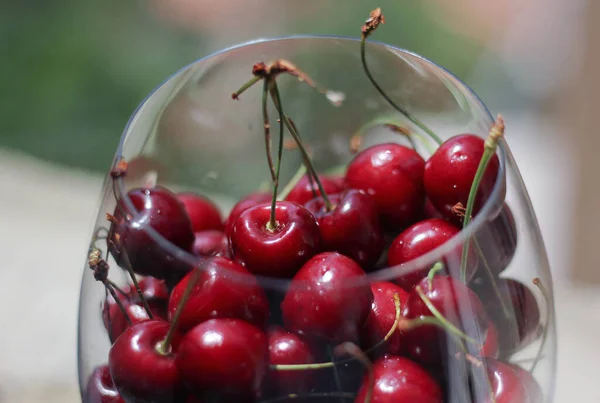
73	72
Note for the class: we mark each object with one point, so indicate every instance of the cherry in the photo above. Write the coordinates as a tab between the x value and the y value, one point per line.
100	387
450	171
506	383
140	372
498	242
224	360
382	318
429	211
287	348
458	305
423	237
152	289
533	387
306	190
160	209
351	228
203	213
250	200
224	289
210	243
115	321
398	379
491	346
329	297
277	252
393	175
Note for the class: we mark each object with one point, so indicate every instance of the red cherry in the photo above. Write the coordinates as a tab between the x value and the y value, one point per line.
139	371
456	303
224	358
351	228
203	213
498	241
224	289
382	317
100	387
450	171
533	387
152	289
423	237
303	191
210	243
279	252
250	200
507	386
160	209
398	379
393	175
329	297
288	348
115	321
491	347
429	211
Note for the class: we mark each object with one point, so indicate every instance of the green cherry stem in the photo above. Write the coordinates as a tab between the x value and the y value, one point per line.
375	19
496	132
272	224
438	267
243	88
267	128
290	185
546	295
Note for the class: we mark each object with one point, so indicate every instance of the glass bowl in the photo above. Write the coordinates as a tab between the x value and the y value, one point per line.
340	330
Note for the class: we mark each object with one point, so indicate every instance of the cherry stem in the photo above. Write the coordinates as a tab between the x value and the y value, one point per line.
267	127
117	301
117	288
356	140
496	132
290	185
317	395
538	284
136	283
438	315
163	347
272	224
310	167
488	270
403	111
244	87
356	352
439	266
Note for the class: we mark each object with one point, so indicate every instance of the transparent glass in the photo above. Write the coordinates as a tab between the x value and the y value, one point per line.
189	135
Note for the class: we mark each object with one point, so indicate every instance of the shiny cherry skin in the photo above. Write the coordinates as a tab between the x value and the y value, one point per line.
491	347
305	191
328	298
224	289
382	317
140	373
152	289
456	303
398	379
160	209
498	242
393	175
115	321
423	237
288	348
203	213
279	252
533	387
351	227
100	387
250	200
450	171
210	243
224	360
506	383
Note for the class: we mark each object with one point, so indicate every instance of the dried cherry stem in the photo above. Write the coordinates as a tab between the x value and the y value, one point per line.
294	396
438	267
375	19
117	288
164	347
496	132
438	315
355	351
136	284
267	128
544	291
100	268
272	224
113	294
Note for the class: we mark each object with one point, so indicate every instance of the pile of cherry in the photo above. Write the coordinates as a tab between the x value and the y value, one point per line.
221	331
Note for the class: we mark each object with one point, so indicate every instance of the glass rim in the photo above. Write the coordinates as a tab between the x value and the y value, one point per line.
384	274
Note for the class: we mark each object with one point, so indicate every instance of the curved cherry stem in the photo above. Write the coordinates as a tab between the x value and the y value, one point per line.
538	284
136	283
356	140
355	351
293	182
267	128
496	132
438	267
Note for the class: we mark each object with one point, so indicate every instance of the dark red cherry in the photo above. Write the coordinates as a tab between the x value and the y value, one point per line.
423	237
140	373
450	171
203	213
393	175
429	211
533	387
115	321
491	347
210	243
224	289
398	379
152	289
382	317
329	297
100	387
506	383
288	348
456	303
498	241
351	228
279	252
250	200
224	360
305	191
159	209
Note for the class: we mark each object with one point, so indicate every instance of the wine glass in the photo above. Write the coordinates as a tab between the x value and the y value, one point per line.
189	135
